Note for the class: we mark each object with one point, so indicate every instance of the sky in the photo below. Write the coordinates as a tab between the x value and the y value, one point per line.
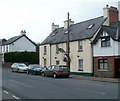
37	16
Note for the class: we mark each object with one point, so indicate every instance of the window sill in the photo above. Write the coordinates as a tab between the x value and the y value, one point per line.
102	70
105	46
80	70
80	50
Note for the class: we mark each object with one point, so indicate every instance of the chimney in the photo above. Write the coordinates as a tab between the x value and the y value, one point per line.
53	27
111	13
23	32
66	22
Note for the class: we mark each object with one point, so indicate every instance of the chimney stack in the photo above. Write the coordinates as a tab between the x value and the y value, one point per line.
53	27
111	13
23	32
66	23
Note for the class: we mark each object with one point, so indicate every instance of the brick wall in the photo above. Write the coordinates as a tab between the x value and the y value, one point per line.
104	73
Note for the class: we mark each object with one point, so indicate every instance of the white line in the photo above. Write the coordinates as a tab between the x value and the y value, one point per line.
15	97
5	91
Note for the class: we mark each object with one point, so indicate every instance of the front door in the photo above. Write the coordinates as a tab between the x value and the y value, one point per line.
117	67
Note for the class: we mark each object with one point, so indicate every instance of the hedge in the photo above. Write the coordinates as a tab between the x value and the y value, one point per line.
29	57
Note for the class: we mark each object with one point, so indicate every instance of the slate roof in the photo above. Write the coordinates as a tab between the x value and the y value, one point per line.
78	31
113	31
13	39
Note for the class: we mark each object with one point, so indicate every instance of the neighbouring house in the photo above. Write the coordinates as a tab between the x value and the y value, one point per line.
106	48
81	35
16	44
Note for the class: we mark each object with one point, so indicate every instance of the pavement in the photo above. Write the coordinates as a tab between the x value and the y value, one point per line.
112	80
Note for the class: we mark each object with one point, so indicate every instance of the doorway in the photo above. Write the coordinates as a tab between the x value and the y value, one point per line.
117	68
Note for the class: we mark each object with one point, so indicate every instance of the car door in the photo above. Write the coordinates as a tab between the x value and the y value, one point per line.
15	67
51	71
48	71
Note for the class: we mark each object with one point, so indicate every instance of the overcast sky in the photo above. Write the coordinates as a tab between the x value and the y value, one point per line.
37	16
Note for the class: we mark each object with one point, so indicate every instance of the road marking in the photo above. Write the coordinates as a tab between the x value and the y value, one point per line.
15	97
5	92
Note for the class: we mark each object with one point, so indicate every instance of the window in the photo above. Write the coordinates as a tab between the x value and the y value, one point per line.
45	50
3	48
57	49
104	33
0	49
80	64
54	33
105	41
45	62
103	64
90	26
6	48
80	46
57	62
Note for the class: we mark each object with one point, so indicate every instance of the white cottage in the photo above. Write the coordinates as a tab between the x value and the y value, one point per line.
17	44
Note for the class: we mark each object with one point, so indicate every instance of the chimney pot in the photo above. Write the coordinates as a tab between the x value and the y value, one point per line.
53	27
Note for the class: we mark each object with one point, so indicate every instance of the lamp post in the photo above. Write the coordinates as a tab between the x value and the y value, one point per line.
68	45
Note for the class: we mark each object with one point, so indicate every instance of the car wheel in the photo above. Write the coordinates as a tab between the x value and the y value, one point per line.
34	73
67	76
12	70
43	74
55	75
18	70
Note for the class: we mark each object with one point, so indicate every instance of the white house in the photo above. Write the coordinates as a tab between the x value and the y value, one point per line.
106	50
17	44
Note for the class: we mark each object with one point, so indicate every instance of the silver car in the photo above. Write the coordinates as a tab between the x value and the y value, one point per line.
19	67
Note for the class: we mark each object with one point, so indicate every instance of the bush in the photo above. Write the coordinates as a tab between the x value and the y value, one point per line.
29	57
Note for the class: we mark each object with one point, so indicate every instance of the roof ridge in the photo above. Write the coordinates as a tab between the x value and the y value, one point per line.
80	22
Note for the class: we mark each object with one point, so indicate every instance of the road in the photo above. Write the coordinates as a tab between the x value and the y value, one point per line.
24	86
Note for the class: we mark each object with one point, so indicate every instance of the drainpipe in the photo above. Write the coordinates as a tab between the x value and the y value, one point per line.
92	59
50	54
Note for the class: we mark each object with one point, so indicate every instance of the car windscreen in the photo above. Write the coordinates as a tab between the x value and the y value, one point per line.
22	65
36	66
63	67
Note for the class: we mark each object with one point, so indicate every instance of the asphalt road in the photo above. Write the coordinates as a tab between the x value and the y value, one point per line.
24	86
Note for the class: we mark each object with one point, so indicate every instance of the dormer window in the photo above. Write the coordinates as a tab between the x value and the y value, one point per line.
66	32
105	33
105	41
54	34
90	26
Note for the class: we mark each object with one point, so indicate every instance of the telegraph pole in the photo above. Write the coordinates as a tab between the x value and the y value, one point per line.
68	43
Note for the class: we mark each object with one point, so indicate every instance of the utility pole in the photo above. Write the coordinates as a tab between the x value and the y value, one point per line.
68	44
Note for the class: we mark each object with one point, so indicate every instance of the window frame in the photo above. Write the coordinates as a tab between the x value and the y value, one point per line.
80	46
45	50
80	65
105	41
103	64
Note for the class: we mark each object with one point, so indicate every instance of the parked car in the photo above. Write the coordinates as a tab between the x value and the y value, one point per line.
56	71
19	67
34	69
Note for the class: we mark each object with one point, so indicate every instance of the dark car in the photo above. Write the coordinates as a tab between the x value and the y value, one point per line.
34	69
56	71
